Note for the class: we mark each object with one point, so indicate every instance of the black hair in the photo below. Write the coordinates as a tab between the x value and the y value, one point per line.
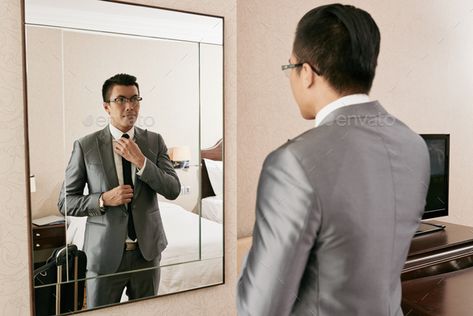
118	79
341	42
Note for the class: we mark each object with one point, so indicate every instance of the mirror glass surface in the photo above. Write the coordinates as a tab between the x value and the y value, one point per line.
72	47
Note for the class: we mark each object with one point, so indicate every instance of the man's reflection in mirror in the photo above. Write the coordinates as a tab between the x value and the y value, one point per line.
124	167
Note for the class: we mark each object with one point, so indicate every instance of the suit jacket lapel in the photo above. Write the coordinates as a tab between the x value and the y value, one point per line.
104	142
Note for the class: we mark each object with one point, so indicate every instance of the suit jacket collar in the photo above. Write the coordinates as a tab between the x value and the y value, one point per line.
104	142
368	109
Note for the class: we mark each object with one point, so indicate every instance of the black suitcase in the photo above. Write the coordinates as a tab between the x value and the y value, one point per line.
60	296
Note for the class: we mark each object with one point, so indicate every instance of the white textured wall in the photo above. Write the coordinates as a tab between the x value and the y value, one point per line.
15	299
424	77
211	98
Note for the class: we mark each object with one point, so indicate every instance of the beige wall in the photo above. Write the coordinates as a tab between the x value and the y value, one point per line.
45	118
15	296
211	78
424	77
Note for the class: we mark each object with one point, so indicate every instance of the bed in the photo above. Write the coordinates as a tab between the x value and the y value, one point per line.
212	208
186	264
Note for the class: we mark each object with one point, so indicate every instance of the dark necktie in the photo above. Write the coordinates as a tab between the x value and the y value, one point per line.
128	180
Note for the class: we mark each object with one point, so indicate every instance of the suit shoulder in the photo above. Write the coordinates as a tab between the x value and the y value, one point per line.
89	138
284	153
311	138
153	139
286	164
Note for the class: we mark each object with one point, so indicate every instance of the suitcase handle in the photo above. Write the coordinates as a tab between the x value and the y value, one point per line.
58	258
70	250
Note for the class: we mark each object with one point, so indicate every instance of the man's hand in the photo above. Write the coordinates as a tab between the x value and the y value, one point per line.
118	196
129	150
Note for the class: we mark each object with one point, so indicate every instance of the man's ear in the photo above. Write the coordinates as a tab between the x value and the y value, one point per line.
308	76
106	107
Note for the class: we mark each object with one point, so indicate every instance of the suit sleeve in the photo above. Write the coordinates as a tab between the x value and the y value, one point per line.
160	174
72	201
287	220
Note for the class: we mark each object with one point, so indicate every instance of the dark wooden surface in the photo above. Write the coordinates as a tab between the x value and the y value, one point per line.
453	235
439	288
448	294
45	240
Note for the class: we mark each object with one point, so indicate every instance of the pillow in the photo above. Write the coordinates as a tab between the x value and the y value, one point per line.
212	208
215	171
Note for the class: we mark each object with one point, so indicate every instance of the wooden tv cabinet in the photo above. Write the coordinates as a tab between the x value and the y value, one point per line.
437	278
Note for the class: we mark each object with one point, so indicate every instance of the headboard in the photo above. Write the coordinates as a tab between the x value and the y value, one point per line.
215	153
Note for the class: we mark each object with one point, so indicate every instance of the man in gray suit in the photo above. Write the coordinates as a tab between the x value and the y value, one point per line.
337	206
123	167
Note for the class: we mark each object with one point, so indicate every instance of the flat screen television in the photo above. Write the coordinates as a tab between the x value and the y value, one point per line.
437	194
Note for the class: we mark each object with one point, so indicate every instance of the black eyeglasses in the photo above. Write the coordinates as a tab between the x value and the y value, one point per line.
122	100
287	68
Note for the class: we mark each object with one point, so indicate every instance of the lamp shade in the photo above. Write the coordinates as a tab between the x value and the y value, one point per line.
180	153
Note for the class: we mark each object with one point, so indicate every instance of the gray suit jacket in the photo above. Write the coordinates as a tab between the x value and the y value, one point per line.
92	163
336	210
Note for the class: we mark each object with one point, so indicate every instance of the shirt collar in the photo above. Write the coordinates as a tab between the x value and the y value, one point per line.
116	133
339	103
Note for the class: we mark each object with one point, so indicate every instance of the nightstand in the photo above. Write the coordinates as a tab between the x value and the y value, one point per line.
45	240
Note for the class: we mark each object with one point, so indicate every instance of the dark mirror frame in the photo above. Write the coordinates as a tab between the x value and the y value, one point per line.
27	154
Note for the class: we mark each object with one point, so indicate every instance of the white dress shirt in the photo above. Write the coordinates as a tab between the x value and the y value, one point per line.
339	103
117	134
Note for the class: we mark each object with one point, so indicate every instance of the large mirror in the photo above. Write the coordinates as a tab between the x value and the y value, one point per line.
116	219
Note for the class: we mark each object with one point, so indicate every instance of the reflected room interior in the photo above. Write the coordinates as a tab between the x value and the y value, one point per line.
180	72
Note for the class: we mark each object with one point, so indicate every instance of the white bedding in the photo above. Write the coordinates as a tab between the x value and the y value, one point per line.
191	275
182	232
212	208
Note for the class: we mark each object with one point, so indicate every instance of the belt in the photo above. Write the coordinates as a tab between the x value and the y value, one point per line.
131	246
